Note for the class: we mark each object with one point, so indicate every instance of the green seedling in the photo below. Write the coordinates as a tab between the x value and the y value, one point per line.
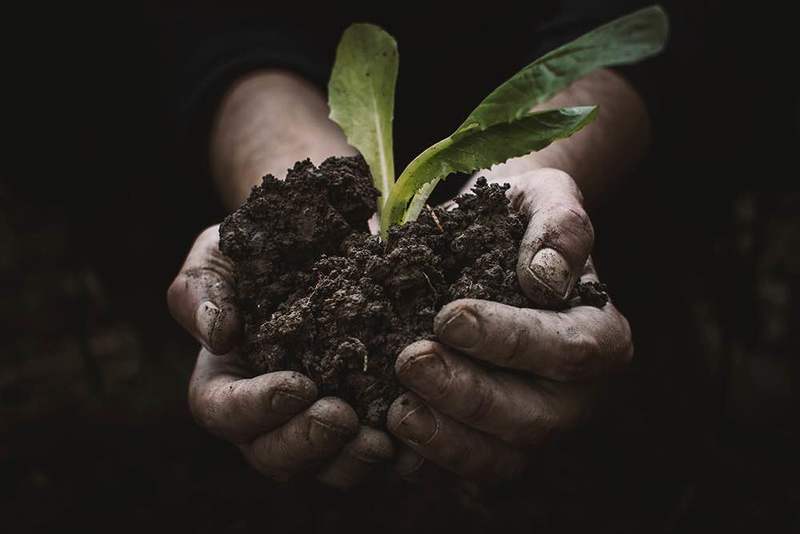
503	126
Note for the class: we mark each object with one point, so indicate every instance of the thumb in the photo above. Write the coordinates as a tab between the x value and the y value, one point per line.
201	298
558	239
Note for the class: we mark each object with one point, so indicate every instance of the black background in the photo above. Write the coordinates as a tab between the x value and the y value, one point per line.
99	206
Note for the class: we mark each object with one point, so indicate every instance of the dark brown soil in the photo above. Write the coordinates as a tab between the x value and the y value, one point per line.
322	296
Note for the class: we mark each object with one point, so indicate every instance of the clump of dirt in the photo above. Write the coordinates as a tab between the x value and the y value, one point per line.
322	296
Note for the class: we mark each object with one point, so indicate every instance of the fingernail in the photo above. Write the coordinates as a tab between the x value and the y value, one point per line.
427	373
321	432
551	269
207	320
288	403
462	331
419	426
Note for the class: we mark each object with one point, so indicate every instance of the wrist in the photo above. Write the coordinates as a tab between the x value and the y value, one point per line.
265	122
602	152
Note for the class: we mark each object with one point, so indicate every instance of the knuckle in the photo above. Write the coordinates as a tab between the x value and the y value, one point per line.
483	402
445	387
572	218
575	363
516	344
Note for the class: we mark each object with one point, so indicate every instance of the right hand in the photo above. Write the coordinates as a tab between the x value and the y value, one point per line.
545	367
275	419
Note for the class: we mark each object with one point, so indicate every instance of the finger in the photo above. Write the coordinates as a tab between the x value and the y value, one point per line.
500	404
466	452
238	409
413	467
558	239
577	344
366	454
306	440
201	298
409	463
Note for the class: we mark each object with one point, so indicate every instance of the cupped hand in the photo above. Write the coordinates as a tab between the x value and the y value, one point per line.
502	380
277	420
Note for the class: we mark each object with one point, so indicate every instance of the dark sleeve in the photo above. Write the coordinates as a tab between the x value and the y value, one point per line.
210	53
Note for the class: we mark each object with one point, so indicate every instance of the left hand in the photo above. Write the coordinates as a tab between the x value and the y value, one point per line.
482	421
275	419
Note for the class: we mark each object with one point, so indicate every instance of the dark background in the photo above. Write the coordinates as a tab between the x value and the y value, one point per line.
701	249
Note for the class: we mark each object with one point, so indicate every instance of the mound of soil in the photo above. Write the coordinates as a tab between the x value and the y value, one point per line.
321	296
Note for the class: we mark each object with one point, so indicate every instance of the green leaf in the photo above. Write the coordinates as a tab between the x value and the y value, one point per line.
361	98
478	149
503	126
626	40
419	200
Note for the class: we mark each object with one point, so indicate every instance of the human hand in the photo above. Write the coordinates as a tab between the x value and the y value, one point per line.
275	419
503	380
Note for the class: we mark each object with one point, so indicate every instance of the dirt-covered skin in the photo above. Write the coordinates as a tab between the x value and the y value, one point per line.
322	296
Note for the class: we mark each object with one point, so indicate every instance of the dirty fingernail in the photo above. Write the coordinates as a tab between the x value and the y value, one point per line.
551	269
418	426
288	403
426	373
462	331
207	321
322	432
